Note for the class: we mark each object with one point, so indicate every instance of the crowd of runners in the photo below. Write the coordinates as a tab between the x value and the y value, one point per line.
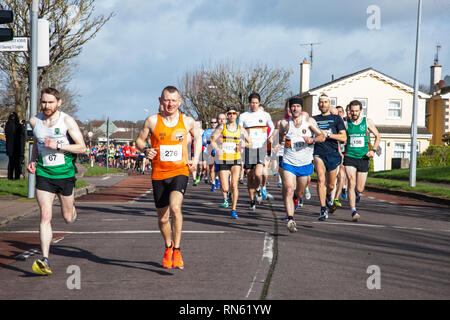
335	144
120	156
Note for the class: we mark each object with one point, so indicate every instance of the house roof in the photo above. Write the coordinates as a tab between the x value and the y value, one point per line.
401	130
365	72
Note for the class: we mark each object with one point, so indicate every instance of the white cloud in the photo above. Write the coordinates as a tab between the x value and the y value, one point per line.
150	44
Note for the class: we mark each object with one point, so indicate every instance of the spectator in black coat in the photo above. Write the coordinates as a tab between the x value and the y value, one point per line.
14	146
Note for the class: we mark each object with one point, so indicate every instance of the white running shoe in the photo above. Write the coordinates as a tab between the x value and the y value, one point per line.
323	215
307	194
292	226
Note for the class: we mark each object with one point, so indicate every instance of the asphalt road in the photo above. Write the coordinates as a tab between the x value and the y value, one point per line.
398	250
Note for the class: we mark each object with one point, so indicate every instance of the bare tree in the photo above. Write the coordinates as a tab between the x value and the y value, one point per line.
72	24
209	91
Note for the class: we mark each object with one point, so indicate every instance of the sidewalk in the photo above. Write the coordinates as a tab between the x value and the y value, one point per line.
15	207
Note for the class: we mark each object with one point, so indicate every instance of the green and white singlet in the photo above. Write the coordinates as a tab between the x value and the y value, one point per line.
52	163
357	139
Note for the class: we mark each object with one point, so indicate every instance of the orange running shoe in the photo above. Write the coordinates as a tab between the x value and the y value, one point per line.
177	259
167	260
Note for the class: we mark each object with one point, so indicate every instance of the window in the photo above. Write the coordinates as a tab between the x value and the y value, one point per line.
403	149
364	105
395	109
333	102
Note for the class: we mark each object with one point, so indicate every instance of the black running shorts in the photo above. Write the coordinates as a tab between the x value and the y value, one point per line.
163	188
361	165
252	157
63	186
227	165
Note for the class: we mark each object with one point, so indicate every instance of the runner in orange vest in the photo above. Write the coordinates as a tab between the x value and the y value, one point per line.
168	133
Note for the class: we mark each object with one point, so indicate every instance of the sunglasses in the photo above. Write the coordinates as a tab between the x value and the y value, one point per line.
213	121
231	113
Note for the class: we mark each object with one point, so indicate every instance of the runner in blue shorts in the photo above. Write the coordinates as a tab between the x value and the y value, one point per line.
326	154
300	134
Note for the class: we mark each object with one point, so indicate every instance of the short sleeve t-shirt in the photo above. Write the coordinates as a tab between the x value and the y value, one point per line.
333	123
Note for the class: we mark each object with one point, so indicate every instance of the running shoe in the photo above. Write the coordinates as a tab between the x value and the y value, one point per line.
42	267
344	193
355	216
252	205
217	183
177	259
298	203
337	203
332	207
279	184
197	181
323	215
234	214
168	255
329	201
264	193
358	196
213	187
224	204
291	225
307	194
241	181
258	192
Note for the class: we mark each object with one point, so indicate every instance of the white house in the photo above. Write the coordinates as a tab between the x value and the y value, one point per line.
387	101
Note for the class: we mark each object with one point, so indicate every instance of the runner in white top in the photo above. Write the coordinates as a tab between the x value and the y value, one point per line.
301	133
255	121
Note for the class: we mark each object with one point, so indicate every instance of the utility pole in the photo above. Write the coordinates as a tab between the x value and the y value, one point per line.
413	158
311	44
33	85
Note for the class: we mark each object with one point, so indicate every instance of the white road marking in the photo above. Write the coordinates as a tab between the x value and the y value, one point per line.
106	177
265	263
118	232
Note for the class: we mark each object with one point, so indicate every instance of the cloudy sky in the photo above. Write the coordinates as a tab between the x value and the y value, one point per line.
149	44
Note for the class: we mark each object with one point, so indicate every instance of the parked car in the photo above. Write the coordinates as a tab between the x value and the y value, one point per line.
3	157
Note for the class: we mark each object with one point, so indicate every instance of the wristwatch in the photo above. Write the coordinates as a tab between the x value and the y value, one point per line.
329	133
58	146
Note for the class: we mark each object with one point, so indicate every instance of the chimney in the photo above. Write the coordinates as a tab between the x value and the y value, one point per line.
305	68
435	77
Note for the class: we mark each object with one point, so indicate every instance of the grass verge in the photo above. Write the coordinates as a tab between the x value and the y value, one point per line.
99	171
20	187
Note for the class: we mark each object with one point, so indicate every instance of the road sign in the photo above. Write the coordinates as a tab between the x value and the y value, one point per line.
16	44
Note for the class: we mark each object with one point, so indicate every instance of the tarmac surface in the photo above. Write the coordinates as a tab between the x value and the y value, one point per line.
399	249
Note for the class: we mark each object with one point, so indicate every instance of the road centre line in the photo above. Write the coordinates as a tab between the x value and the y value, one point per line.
375	226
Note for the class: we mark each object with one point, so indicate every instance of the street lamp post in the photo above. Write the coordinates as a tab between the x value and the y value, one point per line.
413	157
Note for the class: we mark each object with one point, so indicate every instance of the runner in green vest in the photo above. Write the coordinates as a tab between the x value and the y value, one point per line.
57	139
358	153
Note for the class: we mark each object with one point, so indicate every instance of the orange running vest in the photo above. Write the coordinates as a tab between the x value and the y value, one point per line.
172	157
